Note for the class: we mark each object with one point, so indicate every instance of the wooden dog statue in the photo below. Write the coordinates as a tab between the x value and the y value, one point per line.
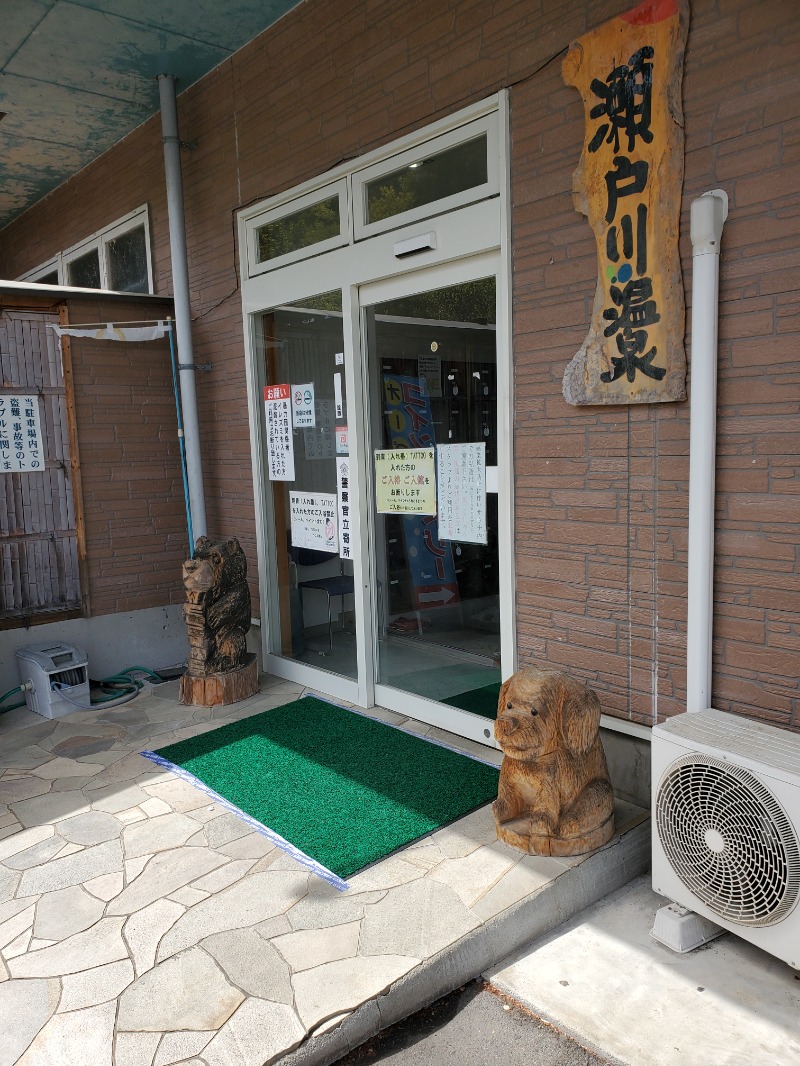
554	795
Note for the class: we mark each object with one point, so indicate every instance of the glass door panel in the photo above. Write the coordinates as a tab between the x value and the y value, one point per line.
312	616
432	387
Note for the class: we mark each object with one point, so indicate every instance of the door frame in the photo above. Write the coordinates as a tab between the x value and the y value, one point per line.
471	241
482	265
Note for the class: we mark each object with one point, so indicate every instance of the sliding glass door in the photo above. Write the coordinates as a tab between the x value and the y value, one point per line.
377	333
312	594
432	400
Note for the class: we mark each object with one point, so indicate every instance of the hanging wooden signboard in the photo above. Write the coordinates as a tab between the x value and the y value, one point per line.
628	183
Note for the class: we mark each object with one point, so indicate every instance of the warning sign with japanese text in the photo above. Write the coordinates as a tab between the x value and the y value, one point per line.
21	443
280	440
314	521
405	481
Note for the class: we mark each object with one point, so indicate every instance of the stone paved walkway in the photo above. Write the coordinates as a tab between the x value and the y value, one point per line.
143	925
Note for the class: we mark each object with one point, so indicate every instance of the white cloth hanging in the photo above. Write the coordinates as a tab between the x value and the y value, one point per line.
113	332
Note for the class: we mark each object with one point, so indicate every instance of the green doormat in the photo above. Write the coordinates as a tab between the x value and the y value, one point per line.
336	789
482	701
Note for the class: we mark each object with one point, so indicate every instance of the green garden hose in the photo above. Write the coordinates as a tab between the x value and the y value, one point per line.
13	706
125	685
126	688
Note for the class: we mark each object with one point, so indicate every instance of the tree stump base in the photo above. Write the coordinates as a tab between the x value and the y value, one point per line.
518	834
215	689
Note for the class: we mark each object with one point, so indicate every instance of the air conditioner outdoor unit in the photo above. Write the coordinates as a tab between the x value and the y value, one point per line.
726	811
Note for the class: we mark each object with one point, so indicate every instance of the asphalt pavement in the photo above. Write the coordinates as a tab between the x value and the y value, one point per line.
474	1026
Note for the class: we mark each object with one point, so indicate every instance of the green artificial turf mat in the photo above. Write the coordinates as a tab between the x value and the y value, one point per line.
342	788
482	701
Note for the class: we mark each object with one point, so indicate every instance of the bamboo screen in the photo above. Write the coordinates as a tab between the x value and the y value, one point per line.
39	570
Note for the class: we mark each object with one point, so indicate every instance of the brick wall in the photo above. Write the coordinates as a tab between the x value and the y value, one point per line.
131	478
601	493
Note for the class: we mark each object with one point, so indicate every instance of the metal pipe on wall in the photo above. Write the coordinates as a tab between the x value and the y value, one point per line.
180	287
708	214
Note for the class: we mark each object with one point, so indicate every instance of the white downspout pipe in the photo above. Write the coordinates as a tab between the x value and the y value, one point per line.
183	315
709	212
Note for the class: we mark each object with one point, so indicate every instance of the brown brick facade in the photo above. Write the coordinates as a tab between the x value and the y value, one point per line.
131	477
601	494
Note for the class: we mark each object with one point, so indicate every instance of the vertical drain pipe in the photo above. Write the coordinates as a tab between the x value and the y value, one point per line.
180	288
709	212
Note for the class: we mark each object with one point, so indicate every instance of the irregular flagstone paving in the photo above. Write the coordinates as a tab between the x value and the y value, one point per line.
142	924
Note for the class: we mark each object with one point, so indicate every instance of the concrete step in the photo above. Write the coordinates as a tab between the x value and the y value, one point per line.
580	882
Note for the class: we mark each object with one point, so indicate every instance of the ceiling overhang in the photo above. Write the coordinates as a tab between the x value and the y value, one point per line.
79	75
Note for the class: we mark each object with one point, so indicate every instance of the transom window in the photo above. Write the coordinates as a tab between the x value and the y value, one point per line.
117	257
448	172
436	177
305	225
453	165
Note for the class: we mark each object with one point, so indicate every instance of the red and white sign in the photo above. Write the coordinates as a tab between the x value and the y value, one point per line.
280	441
277	392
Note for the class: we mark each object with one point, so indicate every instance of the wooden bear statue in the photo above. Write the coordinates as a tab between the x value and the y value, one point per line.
554	795
217	608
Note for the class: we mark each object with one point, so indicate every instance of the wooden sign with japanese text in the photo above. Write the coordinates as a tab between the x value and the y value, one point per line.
628	183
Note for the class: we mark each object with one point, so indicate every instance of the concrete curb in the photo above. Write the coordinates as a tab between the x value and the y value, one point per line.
614	865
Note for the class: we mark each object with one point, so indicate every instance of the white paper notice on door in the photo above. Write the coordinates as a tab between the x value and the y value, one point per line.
280	441
337	395
303	411
314	521
343	486
461	484
429	368
319	440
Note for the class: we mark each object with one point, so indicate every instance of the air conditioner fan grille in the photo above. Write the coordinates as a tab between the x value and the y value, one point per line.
729	840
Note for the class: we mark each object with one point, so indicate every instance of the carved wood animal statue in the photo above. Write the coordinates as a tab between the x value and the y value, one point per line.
554	795
217	608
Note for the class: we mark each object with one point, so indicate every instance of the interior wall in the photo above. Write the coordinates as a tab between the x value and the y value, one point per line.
601	493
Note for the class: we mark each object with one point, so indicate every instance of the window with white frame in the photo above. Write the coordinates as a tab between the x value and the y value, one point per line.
47	274
117	257
452	164
305	225
450	171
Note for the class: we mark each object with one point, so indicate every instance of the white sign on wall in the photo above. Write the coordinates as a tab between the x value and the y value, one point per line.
280	442
21	441
314	520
